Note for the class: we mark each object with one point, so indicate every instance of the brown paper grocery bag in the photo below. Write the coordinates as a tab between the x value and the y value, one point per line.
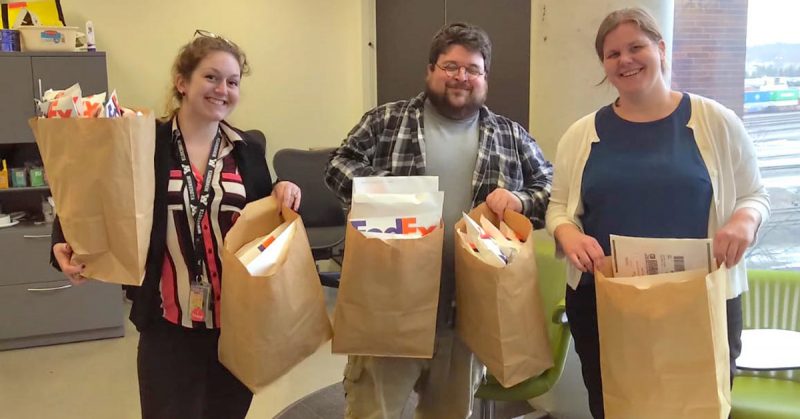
269	323
100	172
499	312
388	296
664	345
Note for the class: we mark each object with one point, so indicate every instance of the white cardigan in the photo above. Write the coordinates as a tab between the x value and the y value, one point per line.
726	149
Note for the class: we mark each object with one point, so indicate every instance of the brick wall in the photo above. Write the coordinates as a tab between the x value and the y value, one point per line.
708	50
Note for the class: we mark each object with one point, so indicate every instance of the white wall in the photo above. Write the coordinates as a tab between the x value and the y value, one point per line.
564	66
307	87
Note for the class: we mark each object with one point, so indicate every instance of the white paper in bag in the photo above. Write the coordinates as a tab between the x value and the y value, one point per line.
396	207
395	184
261	255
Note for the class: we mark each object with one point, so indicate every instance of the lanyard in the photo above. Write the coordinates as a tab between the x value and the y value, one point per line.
198	203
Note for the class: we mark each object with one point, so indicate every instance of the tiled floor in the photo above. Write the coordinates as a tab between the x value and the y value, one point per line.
97	379
328	403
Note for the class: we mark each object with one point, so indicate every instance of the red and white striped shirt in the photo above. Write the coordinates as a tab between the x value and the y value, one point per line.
226	200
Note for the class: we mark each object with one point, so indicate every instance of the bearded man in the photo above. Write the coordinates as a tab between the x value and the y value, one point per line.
448	132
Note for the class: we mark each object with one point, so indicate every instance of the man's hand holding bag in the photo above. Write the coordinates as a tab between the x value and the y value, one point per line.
499	313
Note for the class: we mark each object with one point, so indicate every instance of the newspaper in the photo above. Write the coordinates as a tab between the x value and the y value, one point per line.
636	256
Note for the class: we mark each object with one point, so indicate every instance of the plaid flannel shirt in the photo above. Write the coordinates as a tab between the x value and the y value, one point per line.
389	141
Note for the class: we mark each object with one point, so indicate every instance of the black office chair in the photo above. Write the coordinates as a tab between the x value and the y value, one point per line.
322	212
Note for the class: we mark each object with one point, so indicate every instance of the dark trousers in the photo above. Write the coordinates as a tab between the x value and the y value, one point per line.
582	314
180	376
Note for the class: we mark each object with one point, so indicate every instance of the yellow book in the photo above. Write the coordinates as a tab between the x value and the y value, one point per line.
4	176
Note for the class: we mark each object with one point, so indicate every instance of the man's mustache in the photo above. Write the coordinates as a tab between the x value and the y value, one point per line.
459	85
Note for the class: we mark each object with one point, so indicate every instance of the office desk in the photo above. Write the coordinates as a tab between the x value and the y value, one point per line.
769	349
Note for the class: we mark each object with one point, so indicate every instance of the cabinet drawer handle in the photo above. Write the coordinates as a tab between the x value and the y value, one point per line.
63	287
37	236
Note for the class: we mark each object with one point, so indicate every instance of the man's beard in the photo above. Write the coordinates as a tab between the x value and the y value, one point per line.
444	107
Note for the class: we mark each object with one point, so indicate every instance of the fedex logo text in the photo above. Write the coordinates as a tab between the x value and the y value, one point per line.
406	225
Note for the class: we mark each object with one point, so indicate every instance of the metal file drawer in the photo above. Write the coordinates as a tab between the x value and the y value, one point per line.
25	255
56	307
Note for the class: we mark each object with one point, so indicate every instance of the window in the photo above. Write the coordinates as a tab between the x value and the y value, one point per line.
747	56
772	117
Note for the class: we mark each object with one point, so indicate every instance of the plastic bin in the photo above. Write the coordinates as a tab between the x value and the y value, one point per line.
48	38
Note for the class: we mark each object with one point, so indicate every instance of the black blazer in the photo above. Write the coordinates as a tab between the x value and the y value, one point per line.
252	165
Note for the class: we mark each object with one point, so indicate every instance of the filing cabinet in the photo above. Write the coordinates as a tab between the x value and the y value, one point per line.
38	306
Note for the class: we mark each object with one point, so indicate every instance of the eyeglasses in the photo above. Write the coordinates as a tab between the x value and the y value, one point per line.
206	34
233	48
452	69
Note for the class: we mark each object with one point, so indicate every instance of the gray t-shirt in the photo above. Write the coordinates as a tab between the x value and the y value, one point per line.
451	152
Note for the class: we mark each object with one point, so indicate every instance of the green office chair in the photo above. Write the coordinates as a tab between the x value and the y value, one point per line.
773	302
552	280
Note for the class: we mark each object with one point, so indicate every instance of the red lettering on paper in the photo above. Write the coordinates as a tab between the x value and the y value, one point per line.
425	230
91	109
51	109
407	225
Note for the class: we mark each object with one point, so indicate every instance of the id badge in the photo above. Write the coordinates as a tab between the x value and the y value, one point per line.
198	301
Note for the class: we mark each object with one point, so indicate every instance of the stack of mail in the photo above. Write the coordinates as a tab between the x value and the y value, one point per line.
496	247
261	255
396	207
638	256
